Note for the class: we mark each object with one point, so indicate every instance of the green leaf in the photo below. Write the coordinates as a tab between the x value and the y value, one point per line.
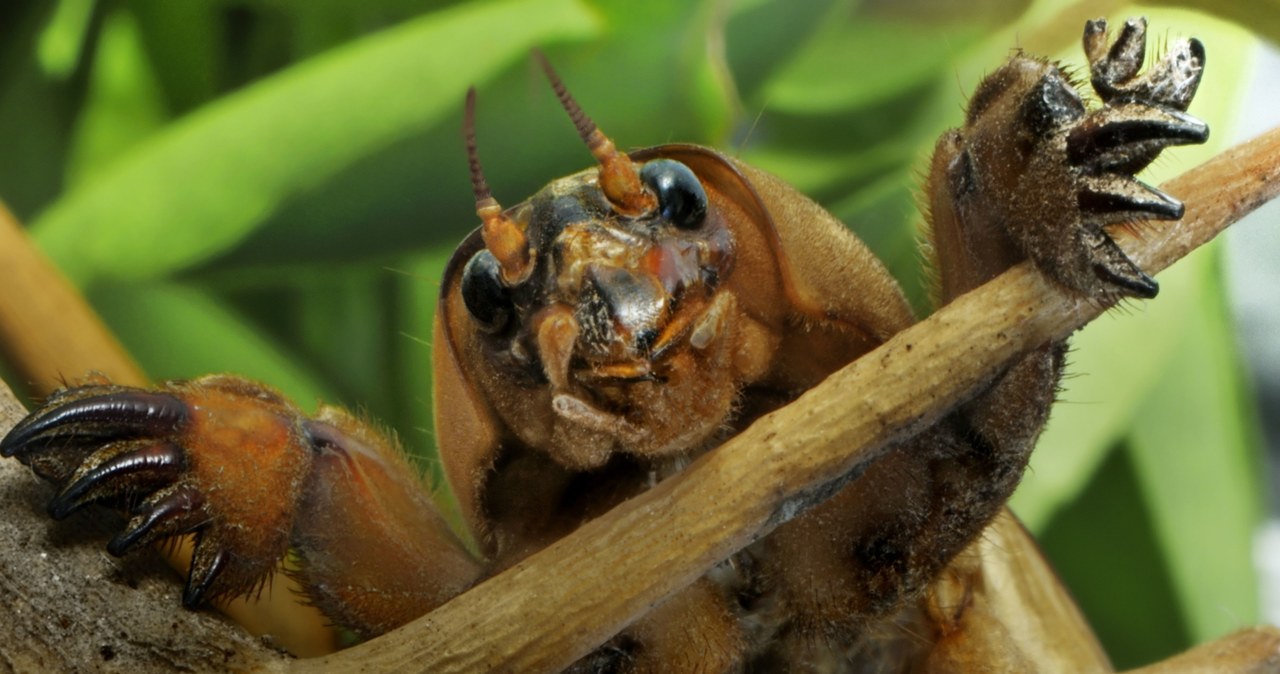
1194	446
211	178
36	111
762	36
1103	547
182	39
1113	366
883	214
1260	16
177	331
418	289
344	328
647	79
123	106
864	62
813	172
62	39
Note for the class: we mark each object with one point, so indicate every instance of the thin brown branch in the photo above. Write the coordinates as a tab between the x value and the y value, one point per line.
37	297
559	604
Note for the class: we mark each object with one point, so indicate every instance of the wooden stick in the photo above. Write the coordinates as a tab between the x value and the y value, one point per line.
559	604
47	330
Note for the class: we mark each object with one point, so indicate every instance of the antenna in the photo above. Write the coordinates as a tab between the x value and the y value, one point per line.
618	177
505	238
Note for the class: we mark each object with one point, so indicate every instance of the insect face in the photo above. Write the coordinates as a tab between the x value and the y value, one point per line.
617	306
599	305
636	286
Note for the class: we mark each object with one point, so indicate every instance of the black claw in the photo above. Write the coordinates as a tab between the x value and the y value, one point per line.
1196	49
1139	285
1133	129
1130	47
97	419
118	474
1170	82
1119	199
203	575
1095	40
1122	62
1115	268
1174	80
162	516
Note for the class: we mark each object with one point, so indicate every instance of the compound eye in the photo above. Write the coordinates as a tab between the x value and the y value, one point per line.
681	199
488	300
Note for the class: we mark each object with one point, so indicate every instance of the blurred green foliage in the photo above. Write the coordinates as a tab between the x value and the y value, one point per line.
272	186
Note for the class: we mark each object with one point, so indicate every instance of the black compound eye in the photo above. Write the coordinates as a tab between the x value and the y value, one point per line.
488	300
681	198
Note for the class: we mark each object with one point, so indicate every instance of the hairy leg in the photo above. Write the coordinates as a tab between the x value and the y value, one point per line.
1033	174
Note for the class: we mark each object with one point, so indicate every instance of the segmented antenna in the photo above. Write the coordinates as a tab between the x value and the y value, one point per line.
587	129
618	177
478	184
505	238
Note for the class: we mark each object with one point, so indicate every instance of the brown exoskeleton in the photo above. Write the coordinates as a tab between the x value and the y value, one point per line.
592	339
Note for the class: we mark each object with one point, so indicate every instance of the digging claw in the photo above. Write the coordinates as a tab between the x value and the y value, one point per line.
1175	79
1114	72
1122	62
1126	138
219	457
205	569
1108	200
173	511
94	420
1116	269
1143	113
118	470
